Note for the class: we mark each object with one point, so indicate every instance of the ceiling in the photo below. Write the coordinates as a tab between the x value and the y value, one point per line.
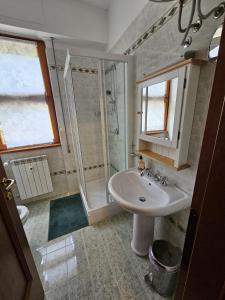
104	4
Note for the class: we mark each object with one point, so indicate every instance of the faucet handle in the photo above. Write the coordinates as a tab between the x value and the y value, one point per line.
164	180
144	171
150	173
157	177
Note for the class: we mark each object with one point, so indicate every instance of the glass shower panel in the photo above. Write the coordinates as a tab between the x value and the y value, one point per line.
87	95
71	104
115	96
96	97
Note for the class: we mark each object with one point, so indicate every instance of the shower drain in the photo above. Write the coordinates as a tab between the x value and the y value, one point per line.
142	199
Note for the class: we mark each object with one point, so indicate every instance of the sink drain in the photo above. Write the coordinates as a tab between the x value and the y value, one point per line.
142	199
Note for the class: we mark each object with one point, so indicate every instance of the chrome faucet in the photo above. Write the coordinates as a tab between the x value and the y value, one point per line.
164	180
150	173
156	177
144	171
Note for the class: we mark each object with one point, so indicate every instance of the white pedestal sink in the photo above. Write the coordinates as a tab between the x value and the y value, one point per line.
146	199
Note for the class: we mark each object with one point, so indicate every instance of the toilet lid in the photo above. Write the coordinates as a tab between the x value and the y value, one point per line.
23	211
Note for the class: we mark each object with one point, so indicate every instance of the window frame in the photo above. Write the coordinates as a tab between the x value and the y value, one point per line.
49	100
166	100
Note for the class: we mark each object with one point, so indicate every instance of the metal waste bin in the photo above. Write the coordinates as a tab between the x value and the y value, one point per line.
164	266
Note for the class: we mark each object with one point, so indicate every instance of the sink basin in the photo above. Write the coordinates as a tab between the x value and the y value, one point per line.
142	195
146	199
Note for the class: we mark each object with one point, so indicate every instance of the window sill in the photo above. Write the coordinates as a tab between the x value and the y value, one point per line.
155	132
29	148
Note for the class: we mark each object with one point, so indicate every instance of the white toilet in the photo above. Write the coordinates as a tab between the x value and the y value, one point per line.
23	213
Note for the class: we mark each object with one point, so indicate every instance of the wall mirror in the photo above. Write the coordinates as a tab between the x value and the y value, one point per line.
158	108
161	99
165	112
215	44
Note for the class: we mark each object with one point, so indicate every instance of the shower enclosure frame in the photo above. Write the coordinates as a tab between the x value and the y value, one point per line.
97	214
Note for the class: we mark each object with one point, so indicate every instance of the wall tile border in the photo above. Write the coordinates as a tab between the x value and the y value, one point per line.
68	172
154	28
75	69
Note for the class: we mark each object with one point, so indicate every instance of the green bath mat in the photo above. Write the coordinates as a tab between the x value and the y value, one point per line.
66	215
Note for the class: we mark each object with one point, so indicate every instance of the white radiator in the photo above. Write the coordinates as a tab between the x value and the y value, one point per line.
32	176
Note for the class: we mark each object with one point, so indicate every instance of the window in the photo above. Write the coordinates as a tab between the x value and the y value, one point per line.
155	104
27	113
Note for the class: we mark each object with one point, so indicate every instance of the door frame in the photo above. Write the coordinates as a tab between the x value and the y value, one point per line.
202	274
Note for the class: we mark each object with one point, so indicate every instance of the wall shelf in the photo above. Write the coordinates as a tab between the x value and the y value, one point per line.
166	161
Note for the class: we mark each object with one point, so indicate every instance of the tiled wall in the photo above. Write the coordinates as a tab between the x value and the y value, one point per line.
89	118
159	49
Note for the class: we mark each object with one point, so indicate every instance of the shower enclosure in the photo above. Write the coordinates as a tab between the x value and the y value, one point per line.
97	90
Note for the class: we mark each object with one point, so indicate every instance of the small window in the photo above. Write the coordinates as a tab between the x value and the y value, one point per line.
155	103
27	113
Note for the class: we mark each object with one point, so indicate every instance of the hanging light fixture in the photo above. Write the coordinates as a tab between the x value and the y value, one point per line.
217	12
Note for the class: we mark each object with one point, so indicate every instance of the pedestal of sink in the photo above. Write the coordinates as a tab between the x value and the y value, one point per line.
143	232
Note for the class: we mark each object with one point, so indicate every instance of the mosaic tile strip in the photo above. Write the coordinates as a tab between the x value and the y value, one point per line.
75	171
154	28
76	69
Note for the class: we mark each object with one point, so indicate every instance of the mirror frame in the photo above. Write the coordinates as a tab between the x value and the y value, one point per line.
166	108
214	59
179	73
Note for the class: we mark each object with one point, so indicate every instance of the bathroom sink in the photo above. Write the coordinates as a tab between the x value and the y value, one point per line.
142	195
146	199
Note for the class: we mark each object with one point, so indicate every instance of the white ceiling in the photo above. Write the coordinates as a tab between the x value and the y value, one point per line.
98	3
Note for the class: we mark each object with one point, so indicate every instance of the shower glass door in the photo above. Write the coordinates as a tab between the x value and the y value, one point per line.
115	88
96	93
75	136
113	111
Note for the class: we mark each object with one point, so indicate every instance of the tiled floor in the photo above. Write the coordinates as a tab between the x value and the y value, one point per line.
95	262
36	226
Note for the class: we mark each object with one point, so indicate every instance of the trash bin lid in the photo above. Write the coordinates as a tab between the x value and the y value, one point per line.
165	255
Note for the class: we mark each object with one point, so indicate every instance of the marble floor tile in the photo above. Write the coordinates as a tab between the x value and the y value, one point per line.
55	245
61	293
77	261
36	226
81	287
108	292
94	263
55	269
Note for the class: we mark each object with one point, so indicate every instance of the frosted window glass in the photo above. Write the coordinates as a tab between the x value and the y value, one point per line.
24	115
155	116
156	106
